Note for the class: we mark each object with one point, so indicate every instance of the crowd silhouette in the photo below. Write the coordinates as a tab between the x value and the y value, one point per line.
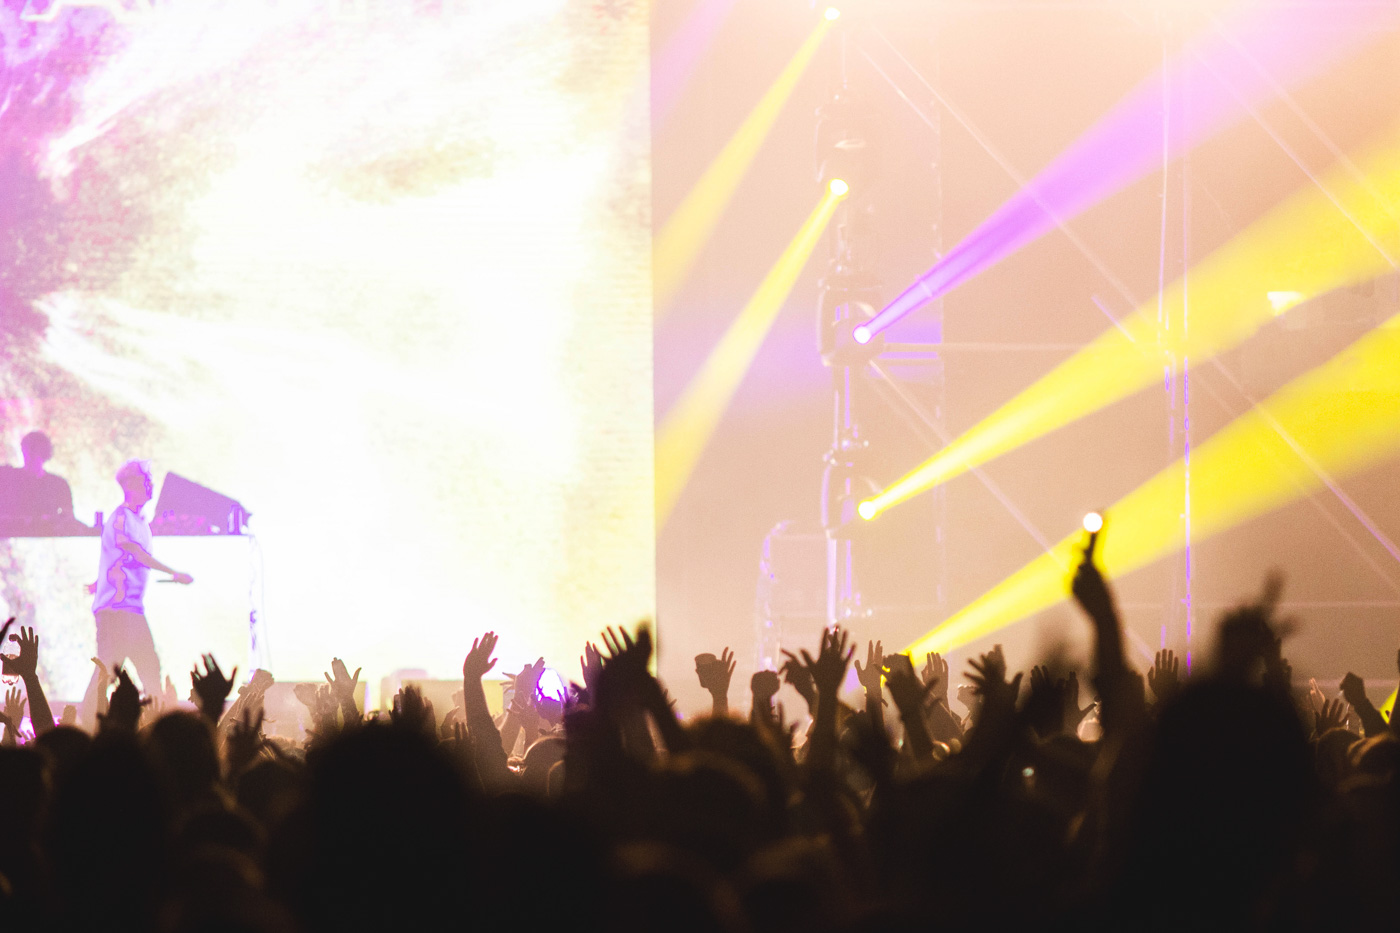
1231	799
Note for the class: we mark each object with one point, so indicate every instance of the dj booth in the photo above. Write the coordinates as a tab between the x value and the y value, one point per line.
46	566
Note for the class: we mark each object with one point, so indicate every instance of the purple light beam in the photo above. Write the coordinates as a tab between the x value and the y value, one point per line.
1126	144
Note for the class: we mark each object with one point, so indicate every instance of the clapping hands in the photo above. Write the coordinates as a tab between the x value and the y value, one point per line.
343	684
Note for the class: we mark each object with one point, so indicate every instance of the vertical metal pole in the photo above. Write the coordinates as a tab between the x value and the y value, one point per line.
1178	619
938	376
1187	603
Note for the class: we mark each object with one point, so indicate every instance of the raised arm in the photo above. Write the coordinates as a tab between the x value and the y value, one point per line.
343	686
871	678
828	669
909	696
1354	689
1122	698
212	688
491	762
26	664
714	674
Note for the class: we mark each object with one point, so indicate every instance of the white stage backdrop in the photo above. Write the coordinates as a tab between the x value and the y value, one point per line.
379	270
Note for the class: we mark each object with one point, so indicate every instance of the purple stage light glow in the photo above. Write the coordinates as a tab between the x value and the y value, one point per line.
1294	43
552	685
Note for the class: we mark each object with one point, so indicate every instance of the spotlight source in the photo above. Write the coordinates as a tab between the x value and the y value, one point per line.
867	510
862	334
838	188
1326	424
1093	523
832	14
1324	248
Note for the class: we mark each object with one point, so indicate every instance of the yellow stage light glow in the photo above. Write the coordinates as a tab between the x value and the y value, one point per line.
691	421
1093	523
1313	242
1336	419
838	187
688	229
832	14
1388	707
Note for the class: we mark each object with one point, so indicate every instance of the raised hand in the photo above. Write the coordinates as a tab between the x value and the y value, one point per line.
1045	706
764	686
1090	589
1331	715
212	687
14	705
124	707
910	696
909	692
1073	714
479	661
1354	689
245	739
591	664
936	670
1164	677
625	650
828	669
872	674
715	672
169	696
1315	695
988	677
26	663
628	694
342	683
306	693
800	679
527	682
413	711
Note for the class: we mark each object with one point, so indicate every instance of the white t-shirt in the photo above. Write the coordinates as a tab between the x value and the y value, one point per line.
121	578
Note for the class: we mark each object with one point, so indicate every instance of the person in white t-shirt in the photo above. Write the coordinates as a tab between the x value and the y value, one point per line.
122	571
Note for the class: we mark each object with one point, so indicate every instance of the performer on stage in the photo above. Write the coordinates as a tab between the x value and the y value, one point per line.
30	491
122	631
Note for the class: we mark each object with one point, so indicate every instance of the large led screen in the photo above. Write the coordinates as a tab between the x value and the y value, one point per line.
379	270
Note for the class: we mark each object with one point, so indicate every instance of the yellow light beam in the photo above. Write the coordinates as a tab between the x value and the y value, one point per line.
1336	419
1301	249
688	426
688	229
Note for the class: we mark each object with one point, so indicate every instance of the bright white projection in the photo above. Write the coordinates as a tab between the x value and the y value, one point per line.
378	271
